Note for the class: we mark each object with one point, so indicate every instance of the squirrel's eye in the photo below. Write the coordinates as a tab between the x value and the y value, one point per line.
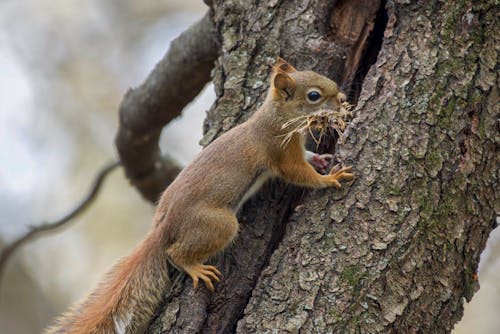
313	96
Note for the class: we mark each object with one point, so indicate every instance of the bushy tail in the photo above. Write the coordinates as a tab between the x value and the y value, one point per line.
126	300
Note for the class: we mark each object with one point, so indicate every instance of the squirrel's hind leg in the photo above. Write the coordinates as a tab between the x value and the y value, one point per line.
203	236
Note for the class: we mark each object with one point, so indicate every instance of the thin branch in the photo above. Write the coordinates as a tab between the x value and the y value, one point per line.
45	227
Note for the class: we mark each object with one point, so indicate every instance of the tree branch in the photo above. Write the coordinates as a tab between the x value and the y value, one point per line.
145	110
36	231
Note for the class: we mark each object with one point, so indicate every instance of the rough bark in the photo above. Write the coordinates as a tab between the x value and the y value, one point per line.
145	110
398	250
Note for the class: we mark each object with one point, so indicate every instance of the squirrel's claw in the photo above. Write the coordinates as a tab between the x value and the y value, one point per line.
206	273
338	174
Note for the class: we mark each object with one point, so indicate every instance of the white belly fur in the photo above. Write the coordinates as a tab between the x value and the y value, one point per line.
259	182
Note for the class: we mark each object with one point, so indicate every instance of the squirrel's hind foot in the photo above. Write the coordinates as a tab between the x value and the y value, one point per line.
204	272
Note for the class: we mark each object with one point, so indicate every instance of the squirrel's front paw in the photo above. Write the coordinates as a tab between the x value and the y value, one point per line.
320	162
339	173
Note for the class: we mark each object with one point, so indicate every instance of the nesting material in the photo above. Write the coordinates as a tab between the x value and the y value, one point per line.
318	121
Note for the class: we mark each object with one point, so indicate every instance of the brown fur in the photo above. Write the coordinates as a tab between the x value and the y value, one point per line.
195	218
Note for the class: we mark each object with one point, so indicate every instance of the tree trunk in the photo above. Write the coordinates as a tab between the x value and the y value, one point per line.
398	250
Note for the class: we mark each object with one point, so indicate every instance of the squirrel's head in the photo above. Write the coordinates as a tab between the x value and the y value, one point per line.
303	92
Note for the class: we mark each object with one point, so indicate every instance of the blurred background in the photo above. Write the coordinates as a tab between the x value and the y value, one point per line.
64	67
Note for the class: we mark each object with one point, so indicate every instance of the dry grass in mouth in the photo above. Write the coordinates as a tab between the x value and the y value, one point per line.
320	121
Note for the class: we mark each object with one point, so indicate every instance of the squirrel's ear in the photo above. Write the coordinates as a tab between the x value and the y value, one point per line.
282	65
283	85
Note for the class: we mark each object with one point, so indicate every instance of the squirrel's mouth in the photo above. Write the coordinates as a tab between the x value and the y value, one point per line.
318	124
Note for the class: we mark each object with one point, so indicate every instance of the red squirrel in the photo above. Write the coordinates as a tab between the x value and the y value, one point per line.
196	215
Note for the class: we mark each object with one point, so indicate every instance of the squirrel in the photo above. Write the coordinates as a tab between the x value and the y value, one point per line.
196	215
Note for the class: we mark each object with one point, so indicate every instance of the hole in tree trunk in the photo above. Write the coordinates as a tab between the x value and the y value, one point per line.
354	84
